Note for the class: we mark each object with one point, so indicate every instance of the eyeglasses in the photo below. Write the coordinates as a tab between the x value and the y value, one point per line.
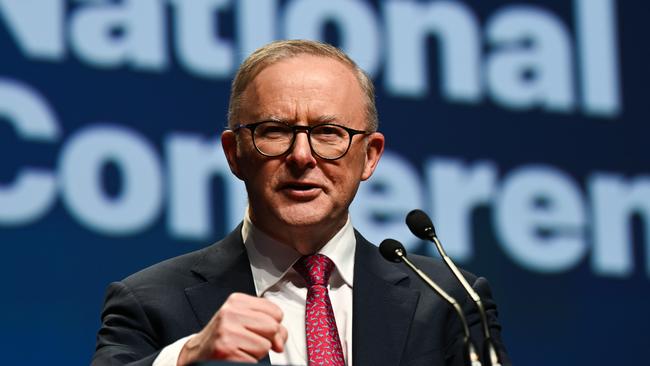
328	141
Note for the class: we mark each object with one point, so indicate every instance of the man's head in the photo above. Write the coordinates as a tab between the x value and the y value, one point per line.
280	50
299	197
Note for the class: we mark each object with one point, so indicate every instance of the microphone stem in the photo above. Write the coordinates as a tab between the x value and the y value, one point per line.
494	361
473	355
439	291
468	288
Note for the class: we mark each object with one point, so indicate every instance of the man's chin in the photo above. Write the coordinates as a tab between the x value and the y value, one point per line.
307	219
281	216
311	214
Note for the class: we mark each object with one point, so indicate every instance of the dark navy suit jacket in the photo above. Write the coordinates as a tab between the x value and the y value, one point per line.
396	319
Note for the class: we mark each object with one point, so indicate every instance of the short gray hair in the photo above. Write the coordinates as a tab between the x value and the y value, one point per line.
281	50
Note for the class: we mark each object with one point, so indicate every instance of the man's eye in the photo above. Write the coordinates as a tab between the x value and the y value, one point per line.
273	131
329	131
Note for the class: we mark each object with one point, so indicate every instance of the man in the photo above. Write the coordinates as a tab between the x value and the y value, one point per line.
302	136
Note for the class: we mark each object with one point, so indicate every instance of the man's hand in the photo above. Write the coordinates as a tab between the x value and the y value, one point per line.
244	329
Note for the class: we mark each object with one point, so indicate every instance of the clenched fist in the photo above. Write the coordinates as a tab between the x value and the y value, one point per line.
244	329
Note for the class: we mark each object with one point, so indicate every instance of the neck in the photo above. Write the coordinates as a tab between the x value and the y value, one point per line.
305	239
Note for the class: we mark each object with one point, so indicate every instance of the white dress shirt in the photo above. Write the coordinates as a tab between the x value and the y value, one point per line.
275	279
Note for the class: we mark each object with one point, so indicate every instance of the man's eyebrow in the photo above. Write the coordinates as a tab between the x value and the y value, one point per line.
320	119
328	118
271	117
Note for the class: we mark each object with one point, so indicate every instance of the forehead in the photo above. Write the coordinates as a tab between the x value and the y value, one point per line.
305	88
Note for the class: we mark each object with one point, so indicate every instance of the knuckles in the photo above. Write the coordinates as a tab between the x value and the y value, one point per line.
224	334
224	347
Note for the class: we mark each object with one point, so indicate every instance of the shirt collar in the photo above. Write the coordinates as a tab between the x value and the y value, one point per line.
270	259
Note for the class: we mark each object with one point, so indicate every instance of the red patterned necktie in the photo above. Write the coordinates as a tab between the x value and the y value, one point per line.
323	343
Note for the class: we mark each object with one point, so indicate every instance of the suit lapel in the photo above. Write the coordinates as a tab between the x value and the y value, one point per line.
225	269
383	308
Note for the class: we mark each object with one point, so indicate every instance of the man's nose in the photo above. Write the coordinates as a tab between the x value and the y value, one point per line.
301	153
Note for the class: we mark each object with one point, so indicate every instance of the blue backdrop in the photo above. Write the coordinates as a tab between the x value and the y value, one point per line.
521	127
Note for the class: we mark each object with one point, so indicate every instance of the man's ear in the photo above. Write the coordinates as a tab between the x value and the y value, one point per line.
374	149
229	145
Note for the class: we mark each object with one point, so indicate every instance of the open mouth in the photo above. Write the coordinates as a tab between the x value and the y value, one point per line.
300	187
301	191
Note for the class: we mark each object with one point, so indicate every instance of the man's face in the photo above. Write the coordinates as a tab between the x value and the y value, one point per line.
298	190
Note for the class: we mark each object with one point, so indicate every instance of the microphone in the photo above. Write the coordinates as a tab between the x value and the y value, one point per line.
393	251
421	226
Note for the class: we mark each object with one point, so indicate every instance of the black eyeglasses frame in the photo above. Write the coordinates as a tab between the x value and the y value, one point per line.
300	128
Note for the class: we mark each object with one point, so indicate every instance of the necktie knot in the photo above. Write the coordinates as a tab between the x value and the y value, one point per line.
315	269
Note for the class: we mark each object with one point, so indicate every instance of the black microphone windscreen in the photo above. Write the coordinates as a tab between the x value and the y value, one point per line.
420	224
388	249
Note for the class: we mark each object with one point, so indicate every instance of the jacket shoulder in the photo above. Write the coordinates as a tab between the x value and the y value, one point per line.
181	270
435	267
174	269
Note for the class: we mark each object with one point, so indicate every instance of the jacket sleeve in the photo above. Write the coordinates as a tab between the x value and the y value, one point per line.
126	336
